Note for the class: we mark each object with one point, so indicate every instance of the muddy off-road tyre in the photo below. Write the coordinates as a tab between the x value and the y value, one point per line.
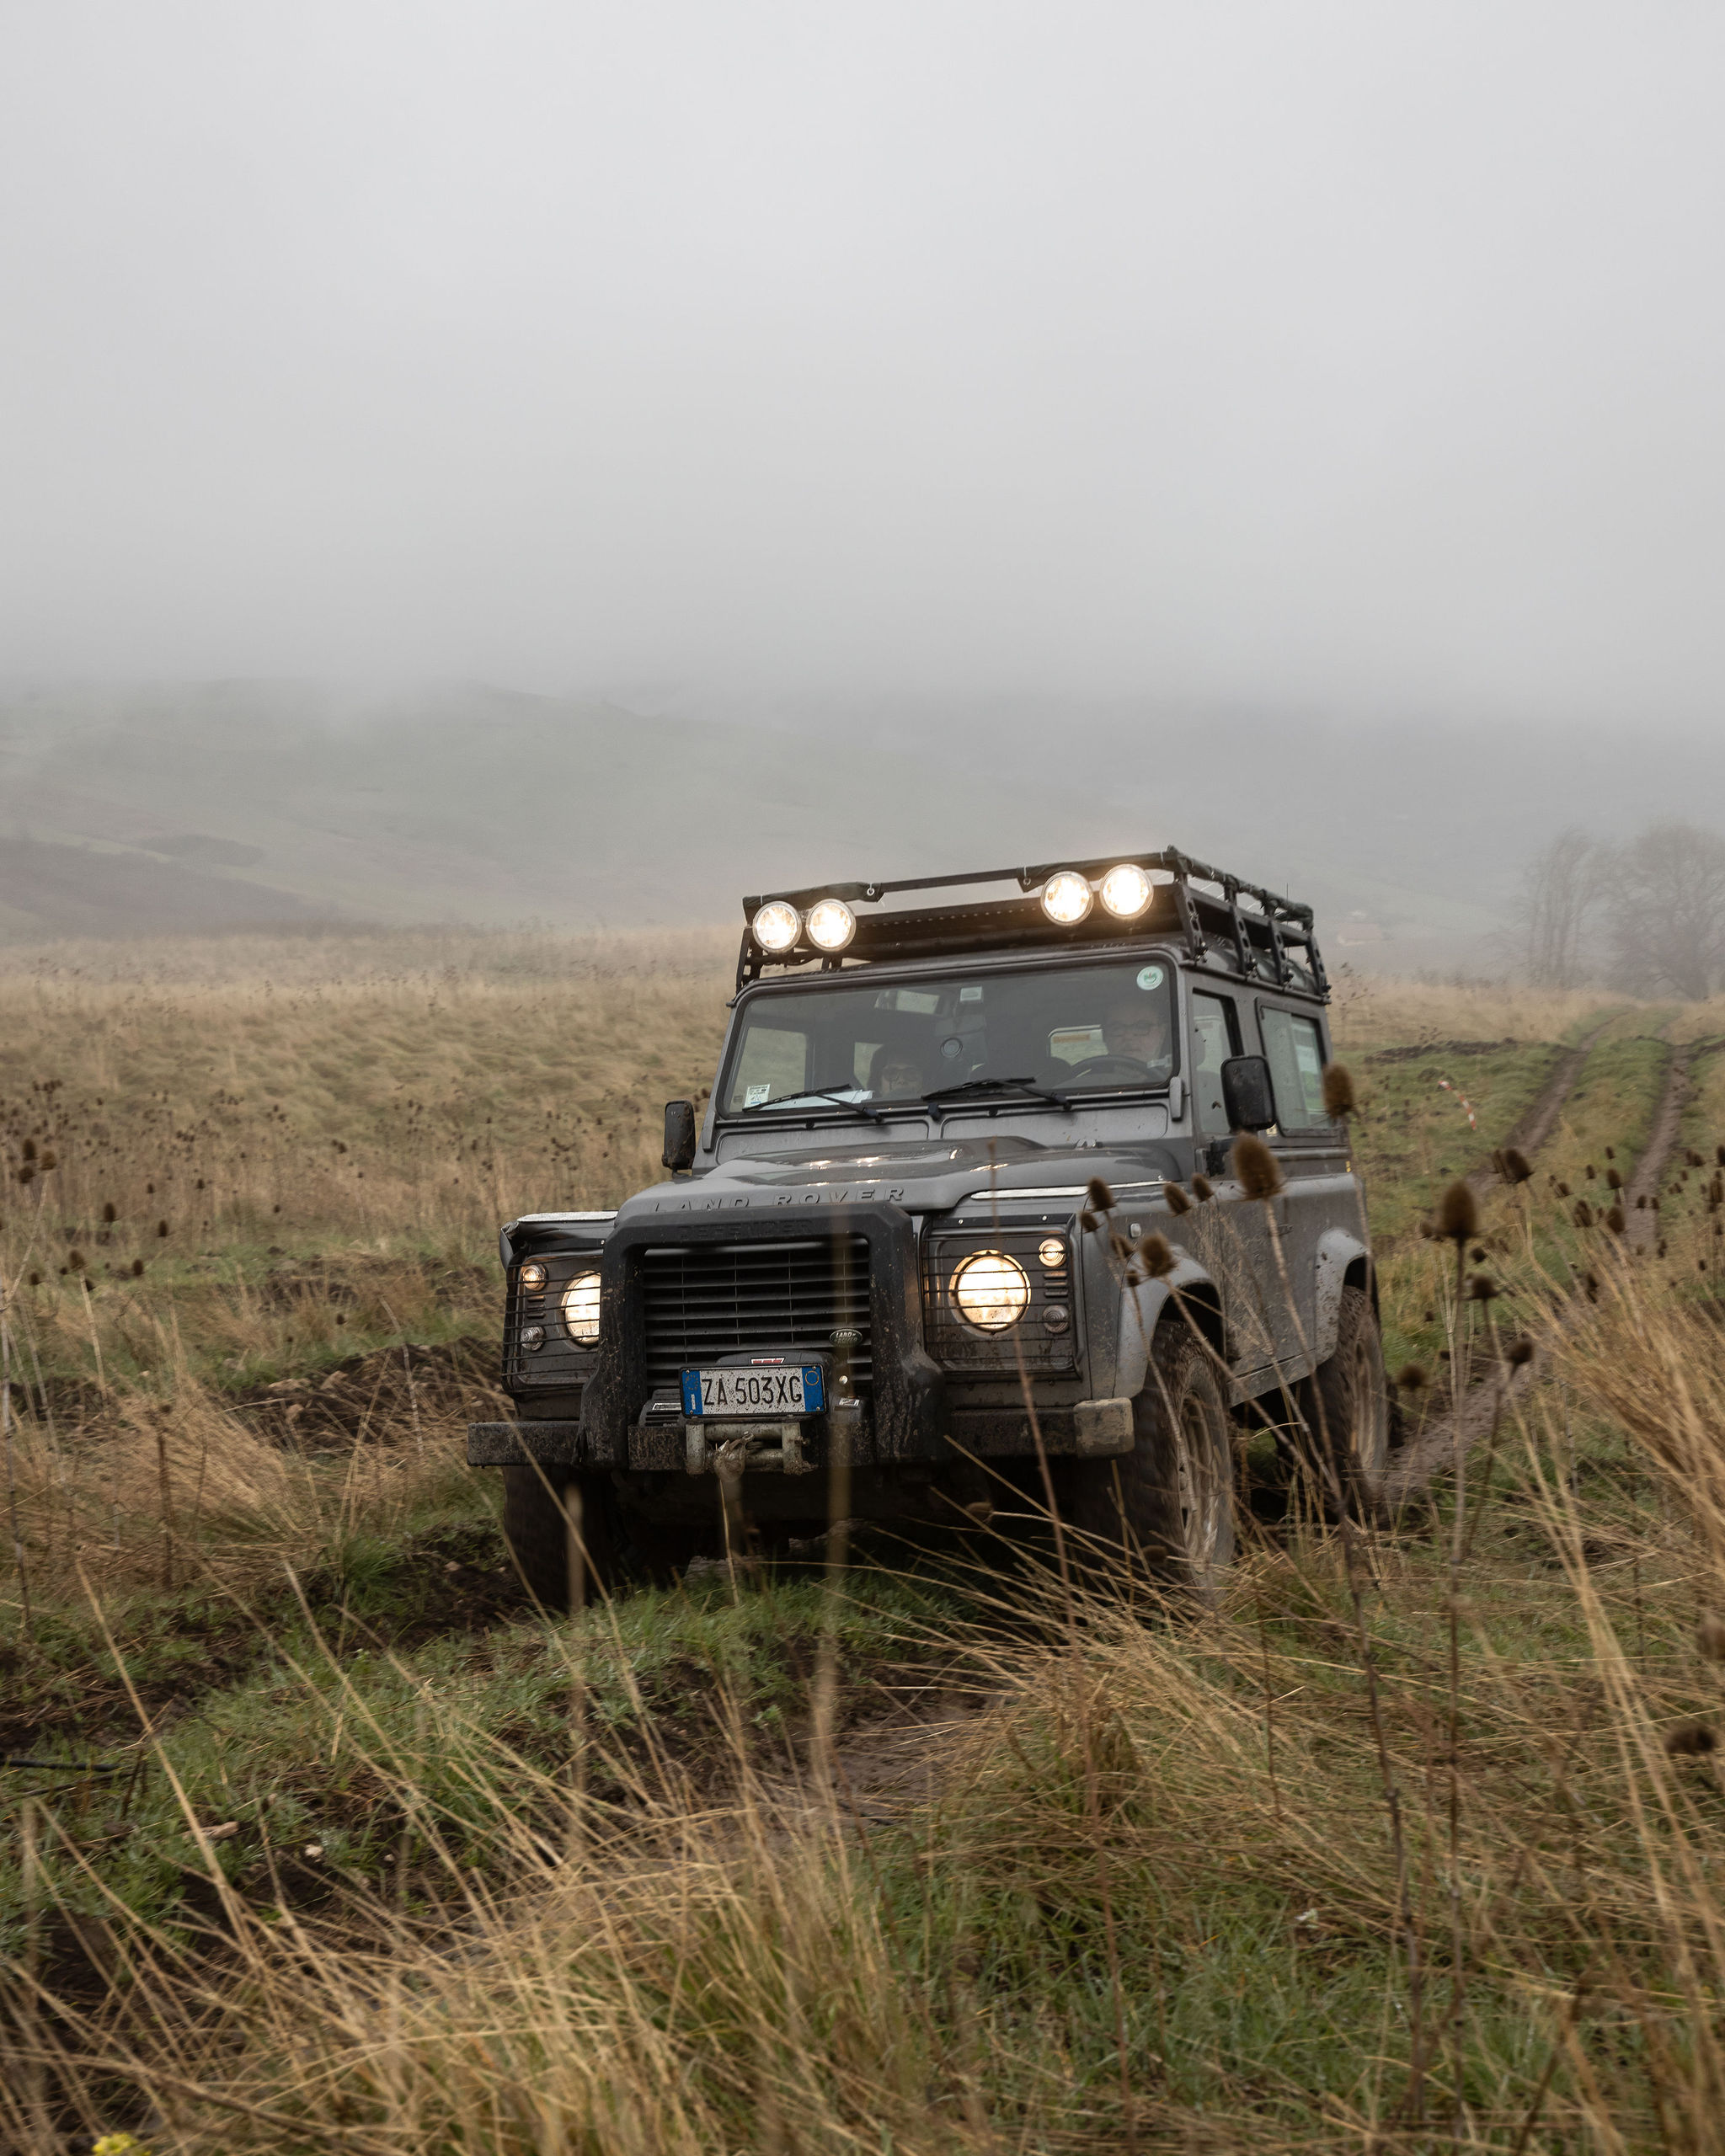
1347	1405
536	1526
1168	1504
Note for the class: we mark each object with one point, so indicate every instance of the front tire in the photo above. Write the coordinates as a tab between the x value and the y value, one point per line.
1348	1406
1169	1503
538	1515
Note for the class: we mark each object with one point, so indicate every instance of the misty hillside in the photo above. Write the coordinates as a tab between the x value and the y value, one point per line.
201	807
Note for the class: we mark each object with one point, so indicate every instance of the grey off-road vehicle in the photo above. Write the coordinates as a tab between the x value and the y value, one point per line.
910	1256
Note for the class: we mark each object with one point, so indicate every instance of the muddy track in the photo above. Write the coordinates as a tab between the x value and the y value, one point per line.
1538	1120
1447	1438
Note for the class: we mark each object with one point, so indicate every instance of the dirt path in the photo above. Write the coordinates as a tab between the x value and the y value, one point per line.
1537	1121
1443	1441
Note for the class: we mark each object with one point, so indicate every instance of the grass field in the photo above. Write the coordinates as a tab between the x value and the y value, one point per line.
1402	1844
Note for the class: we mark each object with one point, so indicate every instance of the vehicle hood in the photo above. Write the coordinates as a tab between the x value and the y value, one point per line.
923	1175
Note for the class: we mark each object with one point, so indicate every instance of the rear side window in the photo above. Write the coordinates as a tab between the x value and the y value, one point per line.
1295	1052
1214	1038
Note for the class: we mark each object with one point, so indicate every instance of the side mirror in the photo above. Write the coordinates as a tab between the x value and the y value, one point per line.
679	1134
1247	1094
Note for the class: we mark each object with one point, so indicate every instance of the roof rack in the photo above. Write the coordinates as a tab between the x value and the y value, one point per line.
1232	927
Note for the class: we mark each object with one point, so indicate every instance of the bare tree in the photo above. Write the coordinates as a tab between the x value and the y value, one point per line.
1560	890
1668	909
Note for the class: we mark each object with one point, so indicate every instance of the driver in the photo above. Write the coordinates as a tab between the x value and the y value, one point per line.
1137	1028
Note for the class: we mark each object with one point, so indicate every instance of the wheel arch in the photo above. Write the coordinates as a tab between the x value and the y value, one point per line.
1187	1296
1343	1261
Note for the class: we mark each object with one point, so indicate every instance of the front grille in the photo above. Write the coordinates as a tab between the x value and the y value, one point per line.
704	1300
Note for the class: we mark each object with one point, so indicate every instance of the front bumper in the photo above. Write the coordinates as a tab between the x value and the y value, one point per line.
1087	1429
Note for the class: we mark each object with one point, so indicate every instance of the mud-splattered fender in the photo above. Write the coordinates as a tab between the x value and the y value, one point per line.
1142	1307
1338	1250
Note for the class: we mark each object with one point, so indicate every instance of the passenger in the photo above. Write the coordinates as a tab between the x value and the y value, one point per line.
897	1076
1137	1028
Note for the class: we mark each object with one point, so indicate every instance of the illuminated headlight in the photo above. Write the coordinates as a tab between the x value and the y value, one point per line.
1126	891
991	1290
1066	897
580	1309
1051	1251
777	926
831	924
533	1277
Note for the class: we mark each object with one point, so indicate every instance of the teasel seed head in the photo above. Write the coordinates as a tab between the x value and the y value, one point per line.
1256	1168
1458	1214
1590	1281
137	1268
1512	1165
1591	1171
1177	1200
1099	1197
1338	1091
1691	1740
1483	1289
50	1159
1641	1202
1563	1190
1519	1352
1710	1638
1616	1220
29	1149
1479	1254
1202	1188
1613	1179
1583	1215
1412	1378
109	1215
1157	1257
1719	1155
76	1260
36	1279
1119	1246
161	1227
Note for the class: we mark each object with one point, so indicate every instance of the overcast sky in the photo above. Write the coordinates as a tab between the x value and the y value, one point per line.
1368	355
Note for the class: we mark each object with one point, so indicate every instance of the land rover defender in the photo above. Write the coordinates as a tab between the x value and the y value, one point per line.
964	1212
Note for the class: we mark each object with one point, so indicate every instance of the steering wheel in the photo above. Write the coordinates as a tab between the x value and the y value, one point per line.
1112	1066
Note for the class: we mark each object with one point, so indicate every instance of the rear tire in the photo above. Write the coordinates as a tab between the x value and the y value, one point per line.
536	1527
1347	1406
1169	1503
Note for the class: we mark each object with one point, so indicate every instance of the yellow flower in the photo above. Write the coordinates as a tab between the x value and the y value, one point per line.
120	2144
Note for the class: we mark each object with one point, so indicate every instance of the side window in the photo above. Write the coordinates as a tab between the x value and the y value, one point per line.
1296	1051
1215	1036
774	1062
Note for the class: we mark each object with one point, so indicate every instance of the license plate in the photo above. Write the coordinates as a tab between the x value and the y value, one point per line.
758	1390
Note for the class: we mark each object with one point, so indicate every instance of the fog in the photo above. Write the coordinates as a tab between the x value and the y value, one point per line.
1335	358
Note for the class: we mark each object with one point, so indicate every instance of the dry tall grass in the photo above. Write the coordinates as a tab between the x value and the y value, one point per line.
1283	1874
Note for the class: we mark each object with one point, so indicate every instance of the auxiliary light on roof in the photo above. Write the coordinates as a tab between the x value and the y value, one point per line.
1126	891
777	926
1066	898
830	924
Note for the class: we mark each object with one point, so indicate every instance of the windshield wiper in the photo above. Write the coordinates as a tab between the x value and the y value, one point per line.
790	1100
979	1086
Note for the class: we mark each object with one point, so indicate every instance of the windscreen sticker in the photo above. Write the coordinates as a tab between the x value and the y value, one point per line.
1150	977
952	1048
755	1095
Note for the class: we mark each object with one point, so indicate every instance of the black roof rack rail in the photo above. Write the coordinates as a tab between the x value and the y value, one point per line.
1255	942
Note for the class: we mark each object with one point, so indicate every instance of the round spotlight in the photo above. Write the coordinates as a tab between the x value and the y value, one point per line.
1051	1252
831	924
992	1291
1066	897
777	926
532	1277
580	1309
1126	891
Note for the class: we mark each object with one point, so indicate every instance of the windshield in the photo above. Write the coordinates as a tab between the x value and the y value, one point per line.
1076	1029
